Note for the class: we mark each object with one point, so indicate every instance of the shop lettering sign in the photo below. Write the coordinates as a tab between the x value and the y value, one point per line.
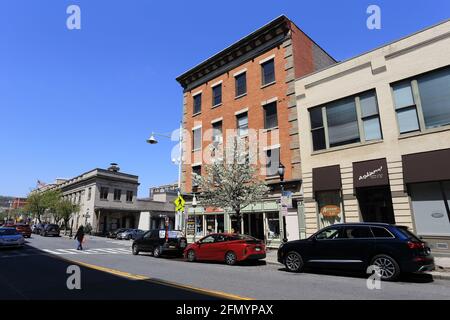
330	211
375	174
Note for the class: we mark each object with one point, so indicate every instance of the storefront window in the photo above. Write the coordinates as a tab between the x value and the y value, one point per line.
273	224
430	214
190	226
234	225
329	203
210	224
199	225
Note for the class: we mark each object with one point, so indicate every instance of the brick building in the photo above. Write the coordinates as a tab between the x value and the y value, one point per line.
250	86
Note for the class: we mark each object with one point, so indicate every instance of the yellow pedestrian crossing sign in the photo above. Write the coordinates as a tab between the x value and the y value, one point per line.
179	203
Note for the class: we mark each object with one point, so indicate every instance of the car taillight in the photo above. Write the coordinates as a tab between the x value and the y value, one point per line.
416	245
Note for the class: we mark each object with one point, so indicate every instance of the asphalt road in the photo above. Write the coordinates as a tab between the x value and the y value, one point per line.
258	281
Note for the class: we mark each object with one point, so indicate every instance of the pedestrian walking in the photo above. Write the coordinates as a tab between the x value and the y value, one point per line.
80	236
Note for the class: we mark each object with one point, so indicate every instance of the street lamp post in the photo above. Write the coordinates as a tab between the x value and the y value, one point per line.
281	169
152	140
194	205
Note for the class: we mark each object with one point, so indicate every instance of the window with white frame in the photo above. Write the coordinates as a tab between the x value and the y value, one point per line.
197	139
272	161
242	124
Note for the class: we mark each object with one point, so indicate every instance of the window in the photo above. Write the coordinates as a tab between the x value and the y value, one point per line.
329	205
197	142
369	116
273	224
208	239
117	194
196	170
241	84
270	115
242	124
217	95
405	107
89	194
129	196
197	103
328	234
272	161
210	223
380	232
345	121
357	233
217	132
431	215
104	193
423	102
268	72
342	123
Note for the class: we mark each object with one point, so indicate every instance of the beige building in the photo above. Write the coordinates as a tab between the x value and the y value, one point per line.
375	138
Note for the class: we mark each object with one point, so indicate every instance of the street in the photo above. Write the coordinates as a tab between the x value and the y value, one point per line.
109	271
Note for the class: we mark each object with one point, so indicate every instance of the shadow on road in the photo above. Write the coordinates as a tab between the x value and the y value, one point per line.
406	277
42	276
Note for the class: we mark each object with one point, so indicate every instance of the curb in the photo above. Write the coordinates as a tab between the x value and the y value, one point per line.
434	274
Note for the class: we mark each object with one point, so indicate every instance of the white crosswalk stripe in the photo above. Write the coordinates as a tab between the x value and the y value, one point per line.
91	251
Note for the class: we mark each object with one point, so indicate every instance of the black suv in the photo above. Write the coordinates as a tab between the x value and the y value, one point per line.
154	241
393	249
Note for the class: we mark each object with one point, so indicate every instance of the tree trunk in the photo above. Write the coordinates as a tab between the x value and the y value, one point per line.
239	221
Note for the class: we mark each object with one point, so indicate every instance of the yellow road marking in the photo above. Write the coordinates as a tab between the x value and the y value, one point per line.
218	294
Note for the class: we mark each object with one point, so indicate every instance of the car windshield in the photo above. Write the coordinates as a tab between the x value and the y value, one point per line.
408	234
8	232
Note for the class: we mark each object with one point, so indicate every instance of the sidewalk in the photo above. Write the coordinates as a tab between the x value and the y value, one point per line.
442	271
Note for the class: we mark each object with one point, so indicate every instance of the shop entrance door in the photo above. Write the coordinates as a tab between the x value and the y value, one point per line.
257	225
375	204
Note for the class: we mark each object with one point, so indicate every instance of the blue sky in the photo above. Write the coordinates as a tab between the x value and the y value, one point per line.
75	100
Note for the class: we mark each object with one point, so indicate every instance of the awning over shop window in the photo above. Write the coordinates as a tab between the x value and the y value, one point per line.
426	166
370	173
327	178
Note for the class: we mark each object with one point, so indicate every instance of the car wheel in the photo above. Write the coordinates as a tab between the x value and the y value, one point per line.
135	250
191	255
388	268
230	258
293	262
156	252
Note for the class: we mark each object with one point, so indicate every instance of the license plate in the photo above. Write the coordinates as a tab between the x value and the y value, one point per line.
257	249
172	247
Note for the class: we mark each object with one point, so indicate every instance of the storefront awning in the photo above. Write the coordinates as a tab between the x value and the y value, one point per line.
370	173
426	166
327	178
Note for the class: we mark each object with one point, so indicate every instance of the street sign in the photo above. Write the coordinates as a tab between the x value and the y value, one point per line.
179	203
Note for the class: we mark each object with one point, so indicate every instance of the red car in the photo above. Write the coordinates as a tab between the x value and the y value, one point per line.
230	248
23	229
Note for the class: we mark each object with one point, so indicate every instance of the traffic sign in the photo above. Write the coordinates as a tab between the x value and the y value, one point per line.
179	203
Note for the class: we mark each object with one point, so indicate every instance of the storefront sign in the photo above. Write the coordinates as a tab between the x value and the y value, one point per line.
190	225
286	199
329	211
370	173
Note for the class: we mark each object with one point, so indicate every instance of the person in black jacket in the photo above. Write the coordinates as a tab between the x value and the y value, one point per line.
79	236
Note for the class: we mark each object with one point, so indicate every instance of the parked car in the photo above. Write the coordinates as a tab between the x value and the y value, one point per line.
24	229
154	241
113	234
10	237
129	234
36	228
50	230
393	249
230	248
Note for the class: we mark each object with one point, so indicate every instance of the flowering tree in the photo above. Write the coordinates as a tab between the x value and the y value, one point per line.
231	183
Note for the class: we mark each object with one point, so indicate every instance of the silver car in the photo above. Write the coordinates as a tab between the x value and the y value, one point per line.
9	237
129	234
